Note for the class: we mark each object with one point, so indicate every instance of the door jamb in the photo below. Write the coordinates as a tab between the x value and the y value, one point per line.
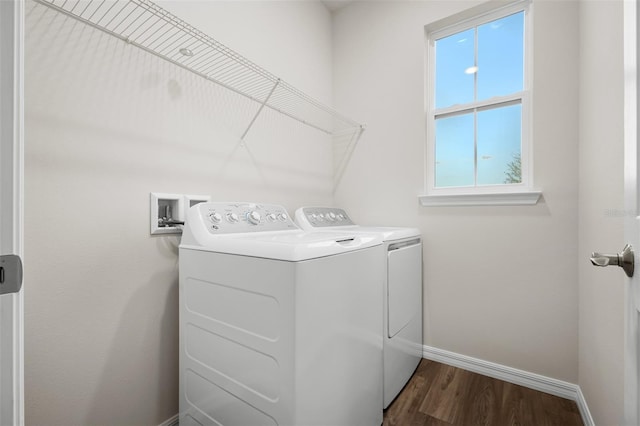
11	205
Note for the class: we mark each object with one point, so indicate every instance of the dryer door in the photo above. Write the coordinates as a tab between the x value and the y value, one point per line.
404	297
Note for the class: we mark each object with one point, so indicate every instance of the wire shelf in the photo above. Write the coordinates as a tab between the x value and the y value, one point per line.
149	27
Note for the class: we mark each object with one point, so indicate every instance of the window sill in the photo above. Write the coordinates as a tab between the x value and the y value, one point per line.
516	198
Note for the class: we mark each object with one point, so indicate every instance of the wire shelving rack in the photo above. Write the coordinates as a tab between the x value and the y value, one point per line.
153	29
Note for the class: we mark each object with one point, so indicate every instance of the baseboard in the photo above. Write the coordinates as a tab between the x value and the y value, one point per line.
584	409
513	375
173	421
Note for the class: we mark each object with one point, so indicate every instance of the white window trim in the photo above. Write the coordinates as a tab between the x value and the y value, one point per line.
511	194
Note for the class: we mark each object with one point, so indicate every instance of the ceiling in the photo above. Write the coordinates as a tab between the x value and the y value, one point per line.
334	5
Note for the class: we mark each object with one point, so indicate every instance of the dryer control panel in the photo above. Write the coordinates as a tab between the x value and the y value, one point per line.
227	218
319	217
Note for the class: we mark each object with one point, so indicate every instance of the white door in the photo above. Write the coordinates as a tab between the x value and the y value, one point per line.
11	166
632	205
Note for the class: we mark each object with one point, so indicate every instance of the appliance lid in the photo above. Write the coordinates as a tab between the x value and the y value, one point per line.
336	220
292	246
263	230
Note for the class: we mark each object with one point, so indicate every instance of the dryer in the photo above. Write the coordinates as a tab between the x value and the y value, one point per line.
402	297
278	326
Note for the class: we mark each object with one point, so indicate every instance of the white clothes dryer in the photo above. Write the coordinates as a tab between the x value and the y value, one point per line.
402	297
278	326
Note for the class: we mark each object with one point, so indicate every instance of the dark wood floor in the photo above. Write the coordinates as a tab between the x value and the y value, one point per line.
442	395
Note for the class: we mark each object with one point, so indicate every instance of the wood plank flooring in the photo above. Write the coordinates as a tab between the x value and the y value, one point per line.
441	395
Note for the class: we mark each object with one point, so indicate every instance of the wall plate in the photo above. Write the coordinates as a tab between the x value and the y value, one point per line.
170	206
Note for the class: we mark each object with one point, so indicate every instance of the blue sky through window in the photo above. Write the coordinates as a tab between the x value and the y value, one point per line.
475	147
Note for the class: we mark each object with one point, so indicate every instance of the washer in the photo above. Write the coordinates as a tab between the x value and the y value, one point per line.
278	326
402	300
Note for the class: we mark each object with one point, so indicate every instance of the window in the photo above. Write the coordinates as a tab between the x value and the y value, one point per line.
478	145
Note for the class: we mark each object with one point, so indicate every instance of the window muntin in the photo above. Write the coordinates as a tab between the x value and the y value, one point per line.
479	101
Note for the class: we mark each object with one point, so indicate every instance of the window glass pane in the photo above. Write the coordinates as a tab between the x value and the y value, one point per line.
454	151
454	57
499	145
500	56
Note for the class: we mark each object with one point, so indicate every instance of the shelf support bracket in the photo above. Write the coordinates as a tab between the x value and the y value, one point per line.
260	110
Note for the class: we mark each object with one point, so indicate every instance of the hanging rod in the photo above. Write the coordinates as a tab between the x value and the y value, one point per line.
151	28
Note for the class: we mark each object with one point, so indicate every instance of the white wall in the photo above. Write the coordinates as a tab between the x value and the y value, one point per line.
500	282
601	208
106	124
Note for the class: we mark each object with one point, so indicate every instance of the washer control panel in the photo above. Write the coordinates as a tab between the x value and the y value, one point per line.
226	218
325	216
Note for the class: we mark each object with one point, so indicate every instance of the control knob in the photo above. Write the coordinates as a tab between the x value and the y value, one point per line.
215	217
232	218
253	217
271	217
283	217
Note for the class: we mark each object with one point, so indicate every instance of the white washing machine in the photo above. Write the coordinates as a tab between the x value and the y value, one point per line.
278	326
402	299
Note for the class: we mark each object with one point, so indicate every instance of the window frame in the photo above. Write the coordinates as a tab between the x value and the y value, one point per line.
498	194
